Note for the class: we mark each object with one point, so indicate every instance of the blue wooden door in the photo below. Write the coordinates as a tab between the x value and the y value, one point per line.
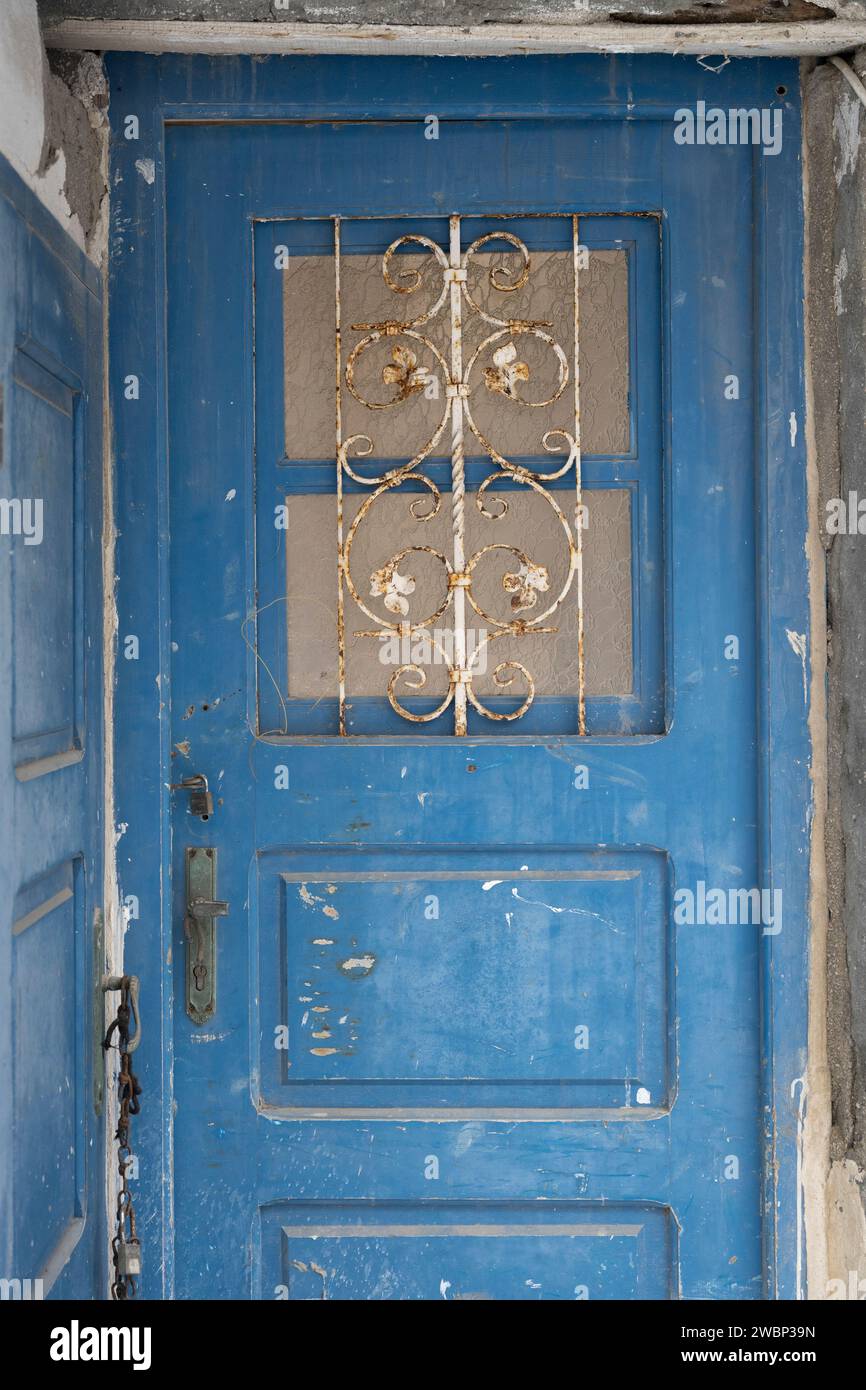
51	1171
465	1034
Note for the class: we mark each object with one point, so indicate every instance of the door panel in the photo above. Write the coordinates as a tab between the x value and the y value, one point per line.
51	1169
483	1250
547	985
459	1038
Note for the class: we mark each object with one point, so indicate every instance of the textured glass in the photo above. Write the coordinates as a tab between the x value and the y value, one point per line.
308	320
312	594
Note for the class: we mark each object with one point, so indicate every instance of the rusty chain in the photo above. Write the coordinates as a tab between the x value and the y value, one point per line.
126	1249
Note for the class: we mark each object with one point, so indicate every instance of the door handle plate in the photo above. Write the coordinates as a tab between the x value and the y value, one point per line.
202	909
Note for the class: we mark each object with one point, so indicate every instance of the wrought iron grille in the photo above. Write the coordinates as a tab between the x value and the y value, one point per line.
494	366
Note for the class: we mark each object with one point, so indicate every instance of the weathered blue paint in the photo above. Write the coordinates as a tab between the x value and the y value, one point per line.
51	1210
491	1182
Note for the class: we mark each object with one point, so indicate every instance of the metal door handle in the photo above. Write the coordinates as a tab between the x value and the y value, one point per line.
202	909
207	907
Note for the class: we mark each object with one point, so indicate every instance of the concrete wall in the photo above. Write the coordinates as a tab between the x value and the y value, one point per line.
51	128
835	133
457	12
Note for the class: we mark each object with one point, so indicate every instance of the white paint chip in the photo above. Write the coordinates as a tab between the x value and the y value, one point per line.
147	169
792	426
846	124
797	643
840	275
231	494
643	1096
361	964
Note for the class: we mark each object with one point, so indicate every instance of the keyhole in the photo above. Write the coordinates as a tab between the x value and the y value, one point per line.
199	971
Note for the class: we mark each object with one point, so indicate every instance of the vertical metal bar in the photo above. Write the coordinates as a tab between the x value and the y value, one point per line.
458	481
578	482
341	619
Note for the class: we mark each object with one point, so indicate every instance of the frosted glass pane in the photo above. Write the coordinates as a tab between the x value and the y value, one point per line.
401	431
530	525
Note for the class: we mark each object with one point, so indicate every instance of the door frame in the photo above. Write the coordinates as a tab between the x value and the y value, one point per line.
178	88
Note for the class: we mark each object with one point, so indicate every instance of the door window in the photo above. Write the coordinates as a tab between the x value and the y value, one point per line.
466	464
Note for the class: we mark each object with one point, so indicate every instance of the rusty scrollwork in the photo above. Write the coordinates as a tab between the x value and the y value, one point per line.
496	367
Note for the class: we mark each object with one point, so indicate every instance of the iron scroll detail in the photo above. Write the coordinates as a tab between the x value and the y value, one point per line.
497	367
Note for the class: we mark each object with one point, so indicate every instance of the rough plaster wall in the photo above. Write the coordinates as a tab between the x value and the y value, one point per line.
76	101
835	125
52	125
457	12
23	77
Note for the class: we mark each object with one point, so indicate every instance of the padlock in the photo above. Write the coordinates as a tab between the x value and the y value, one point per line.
128	1258
200	798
